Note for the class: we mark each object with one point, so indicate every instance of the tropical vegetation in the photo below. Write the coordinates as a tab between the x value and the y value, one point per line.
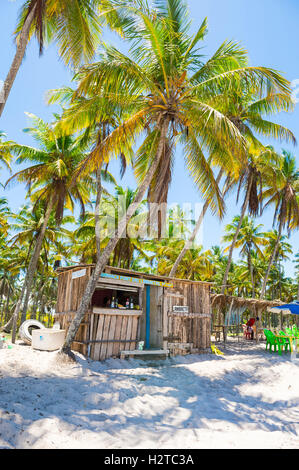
147	108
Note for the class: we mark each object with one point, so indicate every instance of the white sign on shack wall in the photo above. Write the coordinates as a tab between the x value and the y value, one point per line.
180	308
77	274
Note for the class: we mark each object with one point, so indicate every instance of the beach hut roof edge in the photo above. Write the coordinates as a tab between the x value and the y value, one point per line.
222	300
122	271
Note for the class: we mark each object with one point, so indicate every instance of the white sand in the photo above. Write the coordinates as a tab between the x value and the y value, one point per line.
247	399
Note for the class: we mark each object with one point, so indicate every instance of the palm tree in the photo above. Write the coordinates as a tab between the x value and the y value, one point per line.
169	93
284	248
297	273
112	209
4	214
247	111
74	25
258	170
283	193
249	239
27	226
5	155
48	179
195	265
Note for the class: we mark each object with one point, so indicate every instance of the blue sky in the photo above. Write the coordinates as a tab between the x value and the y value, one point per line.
266	28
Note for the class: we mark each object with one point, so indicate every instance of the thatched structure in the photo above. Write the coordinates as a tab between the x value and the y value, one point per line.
229	307
222	301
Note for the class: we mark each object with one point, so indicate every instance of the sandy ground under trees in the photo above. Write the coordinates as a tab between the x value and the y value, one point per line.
246	399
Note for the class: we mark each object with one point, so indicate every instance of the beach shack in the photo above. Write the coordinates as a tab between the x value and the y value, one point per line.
130	309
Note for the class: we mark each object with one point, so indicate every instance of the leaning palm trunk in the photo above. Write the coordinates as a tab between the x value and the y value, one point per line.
189	242
26	300
27	292
271	261
104	257
232	246
250	267
22	42
31	268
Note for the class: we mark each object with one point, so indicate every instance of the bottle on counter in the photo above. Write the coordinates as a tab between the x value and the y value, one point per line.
127	304
131	303
116	303
112	303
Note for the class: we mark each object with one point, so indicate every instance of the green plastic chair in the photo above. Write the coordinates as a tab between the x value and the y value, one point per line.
295	331
272	340
289	331
285	342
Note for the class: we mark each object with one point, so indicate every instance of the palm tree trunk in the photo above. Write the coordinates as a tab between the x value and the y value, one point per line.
22	42
27	297
189	242
97	210
232	247
271	261
6	311
1	296
31	268
25	305
250	268
104	257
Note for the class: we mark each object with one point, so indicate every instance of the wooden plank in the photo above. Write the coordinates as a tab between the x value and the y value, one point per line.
135	280
152	352
208	333
123	333
121	283
99	334
129	332
68	292
180	345
93	333
189	315
116	311
111	336
201	334
134	332
164	320
177	296
116	346
106	328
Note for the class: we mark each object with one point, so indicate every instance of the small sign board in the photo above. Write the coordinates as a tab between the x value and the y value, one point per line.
137	280
77	274
180	308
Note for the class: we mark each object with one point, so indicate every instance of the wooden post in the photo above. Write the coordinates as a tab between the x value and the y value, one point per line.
148	317
165	320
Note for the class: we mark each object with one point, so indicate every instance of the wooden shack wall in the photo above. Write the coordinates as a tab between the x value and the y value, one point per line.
112	332
187	332
69	295
182	333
